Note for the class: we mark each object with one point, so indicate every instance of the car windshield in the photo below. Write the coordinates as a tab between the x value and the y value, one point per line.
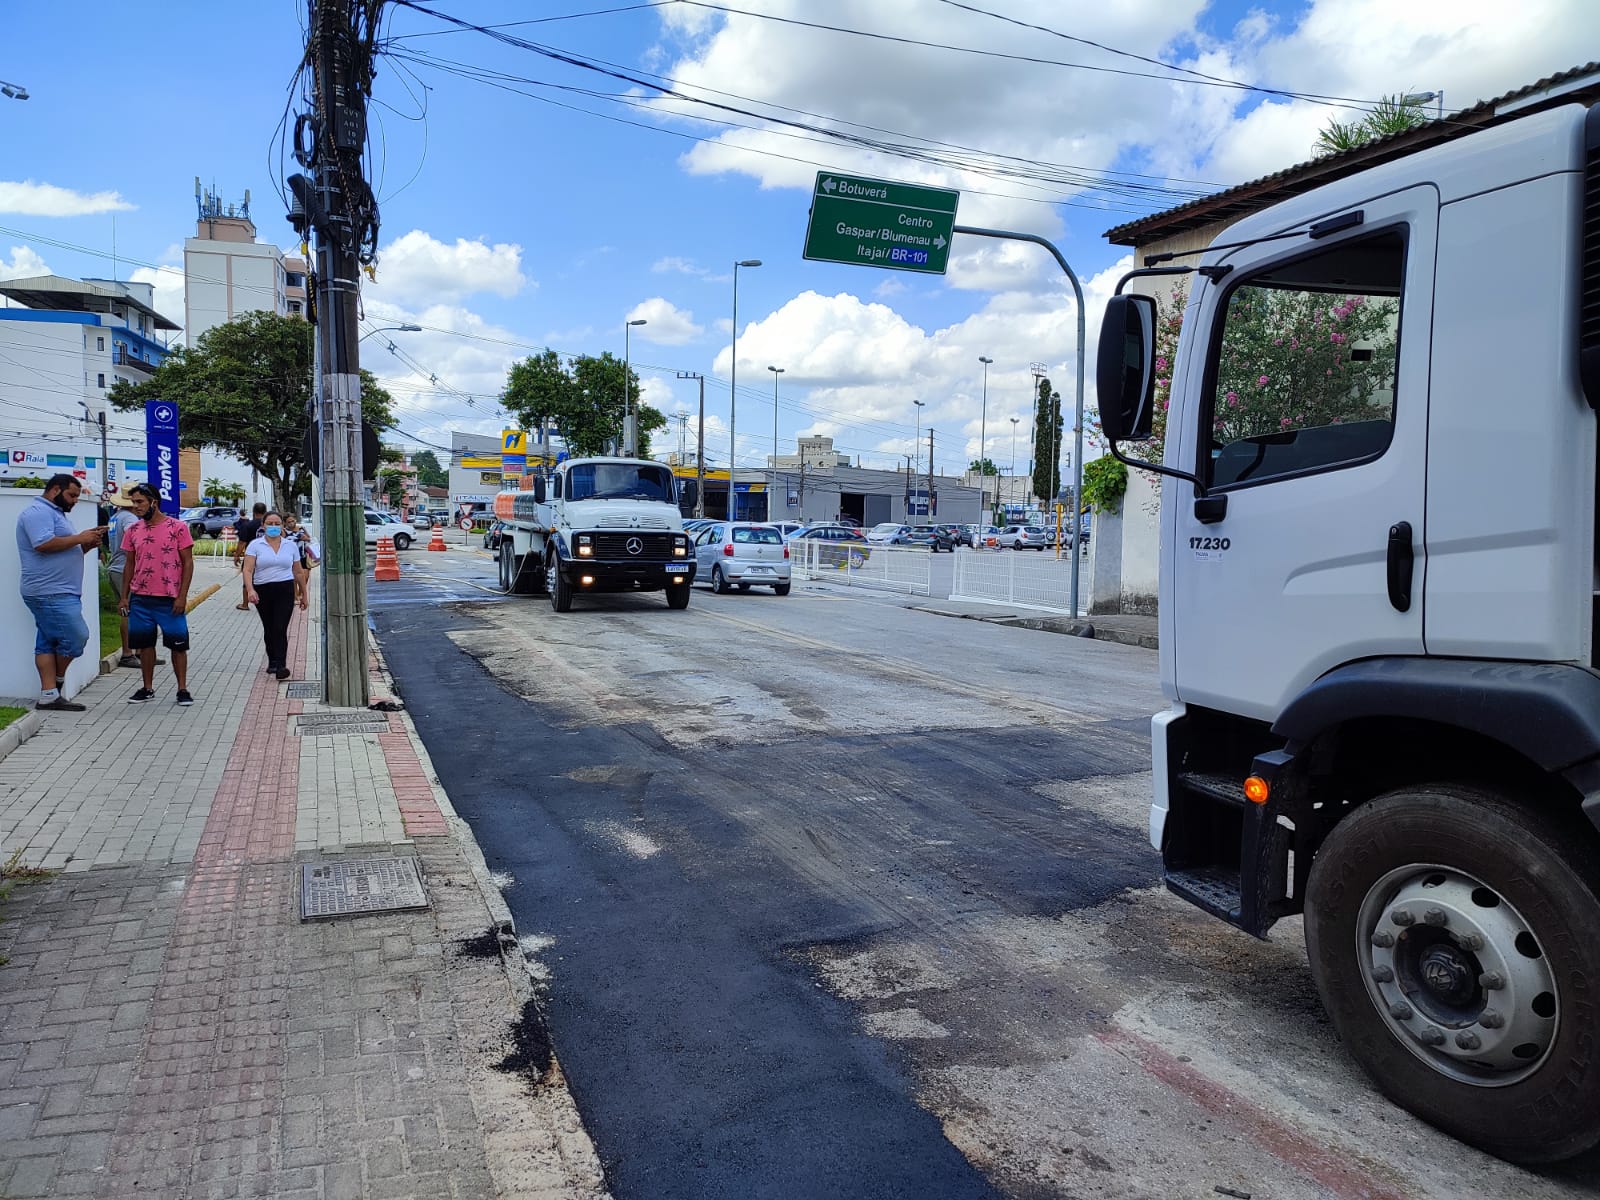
886	527
760	537
619	481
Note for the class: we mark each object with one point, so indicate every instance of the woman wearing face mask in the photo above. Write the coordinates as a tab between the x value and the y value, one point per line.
271	577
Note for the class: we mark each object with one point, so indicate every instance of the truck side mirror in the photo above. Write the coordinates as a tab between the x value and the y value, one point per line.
1124	376
537	487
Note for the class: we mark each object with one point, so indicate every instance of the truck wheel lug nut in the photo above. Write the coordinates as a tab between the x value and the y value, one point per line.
1435	916
1468	1040
1473	942
1402	917
1491	981
1431	1037
1400	1011
1383	939
1383	974
1490	1019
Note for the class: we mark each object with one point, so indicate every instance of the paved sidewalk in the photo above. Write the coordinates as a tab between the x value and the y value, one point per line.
169	1027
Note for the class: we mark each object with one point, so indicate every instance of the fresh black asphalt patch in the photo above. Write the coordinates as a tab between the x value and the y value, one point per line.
702	1050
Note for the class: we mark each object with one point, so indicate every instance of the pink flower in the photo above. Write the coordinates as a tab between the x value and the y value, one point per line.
1294	343
1164	405
1283	424
1277	341
1233	400
1336	338
1262	382
1161	362
1329	371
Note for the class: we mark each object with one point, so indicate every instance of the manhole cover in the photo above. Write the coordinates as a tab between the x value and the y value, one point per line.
342	730
307	689
367	885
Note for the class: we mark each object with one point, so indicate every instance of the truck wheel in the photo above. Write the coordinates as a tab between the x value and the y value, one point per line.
522	577
677	595
1451	935
504	558
560	590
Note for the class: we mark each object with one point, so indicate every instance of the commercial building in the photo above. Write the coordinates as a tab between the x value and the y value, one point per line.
63	344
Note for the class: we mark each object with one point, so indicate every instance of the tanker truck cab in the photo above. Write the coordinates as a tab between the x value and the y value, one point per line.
1377	611
596	525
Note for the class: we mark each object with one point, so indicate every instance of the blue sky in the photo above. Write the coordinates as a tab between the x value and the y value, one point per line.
510	222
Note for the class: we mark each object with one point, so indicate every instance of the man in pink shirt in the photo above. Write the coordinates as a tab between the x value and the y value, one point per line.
155	590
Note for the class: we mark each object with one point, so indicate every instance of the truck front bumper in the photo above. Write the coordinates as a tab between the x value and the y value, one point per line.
625	575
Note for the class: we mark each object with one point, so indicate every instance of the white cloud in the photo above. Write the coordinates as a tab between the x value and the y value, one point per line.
681	266
24	264
418	269
666	325
31	199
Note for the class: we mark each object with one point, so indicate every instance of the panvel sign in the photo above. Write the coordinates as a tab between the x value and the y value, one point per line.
161	432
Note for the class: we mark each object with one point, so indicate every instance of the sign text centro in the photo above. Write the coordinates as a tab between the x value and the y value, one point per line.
876	223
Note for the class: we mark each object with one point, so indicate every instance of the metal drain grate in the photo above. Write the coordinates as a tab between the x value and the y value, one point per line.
369	885
304	689
329	724
306	731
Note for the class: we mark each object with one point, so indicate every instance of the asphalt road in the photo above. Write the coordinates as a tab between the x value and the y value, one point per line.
832	897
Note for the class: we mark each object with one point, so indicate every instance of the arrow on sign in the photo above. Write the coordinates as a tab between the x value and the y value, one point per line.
940	242
829	185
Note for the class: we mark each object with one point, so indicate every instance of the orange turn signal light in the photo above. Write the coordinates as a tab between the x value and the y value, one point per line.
1256	790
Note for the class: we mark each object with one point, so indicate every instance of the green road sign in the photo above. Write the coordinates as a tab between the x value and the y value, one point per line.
874	223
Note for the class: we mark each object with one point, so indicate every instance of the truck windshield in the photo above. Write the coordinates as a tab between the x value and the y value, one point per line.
619	481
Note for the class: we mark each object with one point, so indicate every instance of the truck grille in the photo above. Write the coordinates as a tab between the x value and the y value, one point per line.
654	547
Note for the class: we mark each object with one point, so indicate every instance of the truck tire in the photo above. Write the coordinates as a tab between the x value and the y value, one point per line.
677	595
1451	936
518	576
504	560
555	583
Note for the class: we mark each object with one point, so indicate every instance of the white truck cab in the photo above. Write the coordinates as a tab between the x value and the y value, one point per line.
1378	611
596	525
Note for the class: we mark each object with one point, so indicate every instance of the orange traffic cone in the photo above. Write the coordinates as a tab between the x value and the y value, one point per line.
437	541
387	568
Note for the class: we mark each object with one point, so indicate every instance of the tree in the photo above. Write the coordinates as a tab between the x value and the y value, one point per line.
391	485
581	398
211	490
984	466
245	390
219	492
1047	427
429	472
1389	116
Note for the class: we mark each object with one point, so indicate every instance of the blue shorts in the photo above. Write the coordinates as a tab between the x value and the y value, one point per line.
60	621
146	614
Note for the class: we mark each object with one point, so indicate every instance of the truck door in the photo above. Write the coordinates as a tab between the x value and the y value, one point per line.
1306	414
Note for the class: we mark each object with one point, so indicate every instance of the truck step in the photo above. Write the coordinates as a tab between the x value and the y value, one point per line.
1215	889
1214	786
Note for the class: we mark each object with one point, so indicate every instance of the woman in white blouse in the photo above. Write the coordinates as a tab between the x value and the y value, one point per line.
272	583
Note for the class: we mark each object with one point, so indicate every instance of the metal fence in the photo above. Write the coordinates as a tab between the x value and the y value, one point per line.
894	568
1025	579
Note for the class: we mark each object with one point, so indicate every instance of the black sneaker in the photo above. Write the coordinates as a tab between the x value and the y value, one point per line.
61	704
142	696
184	699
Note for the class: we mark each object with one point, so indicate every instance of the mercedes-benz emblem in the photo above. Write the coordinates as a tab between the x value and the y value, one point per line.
635	545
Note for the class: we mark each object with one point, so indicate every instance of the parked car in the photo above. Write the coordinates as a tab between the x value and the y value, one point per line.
827	533
848	522
787	529
385	525
979	535
493	534
892	533
1021	537
206	521
742	554
916	535
948	537
421	520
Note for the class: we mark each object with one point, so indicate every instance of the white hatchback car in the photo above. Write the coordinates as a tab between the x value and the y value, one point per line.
741	554
383	525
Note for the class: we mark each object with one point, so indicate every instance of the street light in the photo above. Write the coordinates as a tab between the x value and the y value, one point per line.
390	329
1014	421
983	432
13	91
733	387
776	371
916	446
630	423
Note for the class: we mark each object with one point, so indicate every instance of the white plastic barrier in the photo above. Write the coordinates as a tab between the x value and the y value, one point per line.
1022	578
857	564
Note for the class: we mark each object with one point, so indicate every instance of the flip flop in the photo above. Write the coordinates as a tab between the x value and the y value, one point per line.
241	607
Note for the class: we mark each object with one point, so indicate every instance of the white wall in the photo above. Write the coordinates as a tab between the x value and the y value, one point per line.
1141	542
17	675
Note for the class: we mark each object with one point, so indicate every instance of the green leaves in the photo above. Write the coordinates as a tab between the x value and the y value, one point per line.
1389	116
1105	480
581	398
1047	429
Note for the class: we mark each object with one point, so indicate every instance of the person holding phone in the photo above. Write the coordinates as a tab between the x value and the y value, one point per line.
51	554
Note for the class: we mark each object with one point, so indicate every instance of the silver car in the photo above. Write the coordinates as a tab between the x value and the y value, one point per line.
742	554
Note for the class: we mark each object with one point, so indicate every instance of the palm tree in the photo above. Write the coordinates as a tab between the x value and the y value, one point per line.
213	490
1390	115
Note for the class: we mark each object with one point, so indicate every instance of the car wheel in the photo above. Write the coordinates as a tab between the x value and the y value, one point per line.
560	590
198	530
718	583
781	589
1450	933
402	541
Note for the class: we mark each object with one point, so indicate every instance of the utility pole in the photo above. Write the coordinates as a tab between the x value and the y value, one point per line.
336	203
700	448
930	468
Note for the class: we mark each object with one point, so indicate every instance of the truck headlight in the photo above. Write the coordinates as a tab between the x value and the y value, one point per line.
585	549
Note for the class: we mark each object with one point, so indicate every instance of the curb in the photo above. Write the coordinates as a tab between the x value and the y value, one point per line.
19	731
1084	627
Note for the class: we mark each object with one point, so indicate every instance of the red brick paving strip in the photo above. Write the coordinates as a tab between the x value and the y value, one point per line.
207	1092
